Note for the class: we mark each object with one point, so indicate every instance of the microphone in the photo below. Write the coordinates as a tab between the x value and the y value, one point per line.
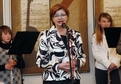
65	26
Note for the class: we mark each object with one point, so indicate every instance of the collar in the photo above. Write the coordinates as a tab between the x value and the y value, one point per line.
5	46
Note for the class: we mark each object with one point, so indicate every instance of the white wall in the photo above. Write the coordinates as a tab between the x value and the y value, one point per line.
89	78
7	12
86	78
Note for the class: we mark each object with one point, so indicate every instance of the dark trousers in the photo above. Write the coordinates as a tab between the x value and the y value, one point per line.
102	76
62	82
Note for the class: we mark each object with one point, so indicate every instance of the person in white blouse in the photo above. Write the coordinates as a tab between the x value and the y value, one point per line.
107	61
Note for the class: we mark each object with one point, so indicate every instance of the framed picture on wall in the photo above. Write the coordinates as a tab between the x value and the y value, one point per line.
33	15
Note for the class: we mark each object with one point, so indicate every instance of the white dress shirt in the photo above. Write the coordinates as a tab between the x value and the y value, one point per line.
104	55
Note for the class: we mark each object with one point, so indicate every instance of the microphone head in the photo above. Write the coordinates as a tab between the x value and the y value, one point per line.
64	25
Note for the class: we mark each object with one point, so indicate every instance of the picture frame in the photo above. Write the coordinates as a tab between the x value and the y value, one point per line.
20	22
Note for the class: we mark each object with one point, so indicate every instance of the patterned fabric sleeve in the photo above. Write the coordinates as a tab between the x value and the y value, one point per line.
81	57
43	58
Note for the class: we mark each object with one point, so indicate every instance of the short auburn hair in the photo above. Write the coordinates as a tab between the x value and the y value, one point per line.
57	7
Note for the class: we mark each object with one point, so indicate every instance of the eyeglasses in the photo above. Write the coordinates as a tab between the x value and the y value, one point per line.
61	15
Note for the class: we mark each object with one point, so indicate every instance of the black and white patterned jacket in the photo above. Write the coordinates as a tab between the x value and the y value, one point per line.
52	50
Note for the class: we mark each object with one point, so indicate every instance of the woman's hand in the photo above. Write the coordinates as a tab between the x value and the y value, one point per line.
66	66
8	66
12	62
112	67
